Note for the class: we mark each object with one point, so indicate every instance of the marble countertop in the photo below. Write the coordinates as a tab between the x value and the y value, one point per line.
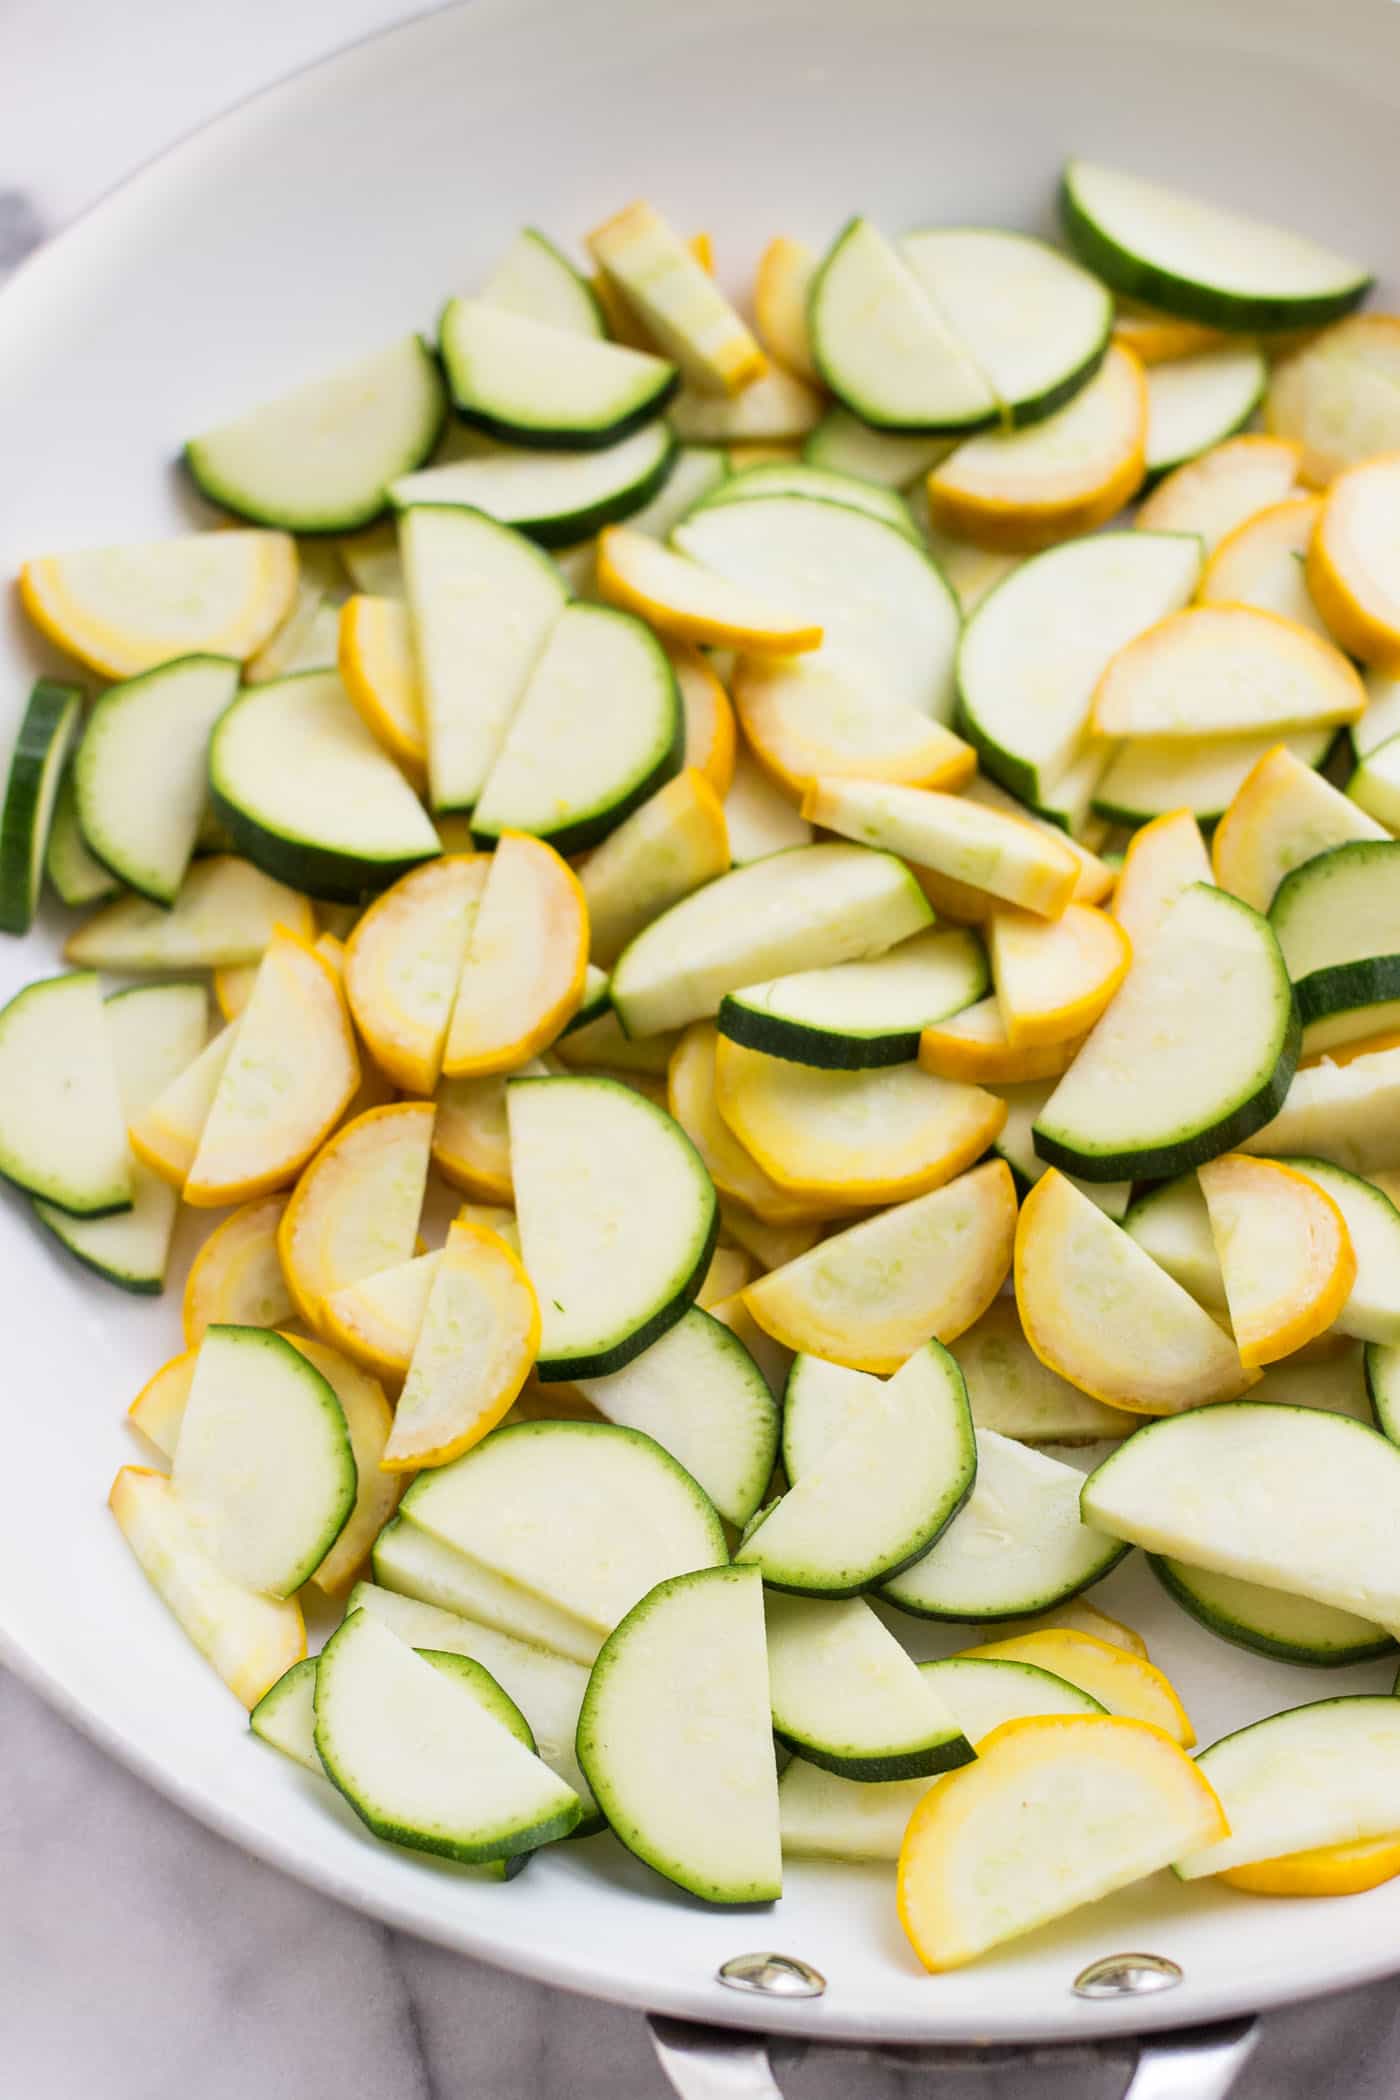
141	1957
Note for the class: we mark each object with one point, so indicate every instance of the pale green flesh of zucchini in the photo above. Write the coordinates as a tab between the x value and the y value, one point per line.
77	876
533	278
760	817
1270	1622
1337	918
1349	1114
1372	1308
845	1695
45	739
62	1131
1152	775
1269	1780
556	498
698	470
860	1013
225	914
528	383
413	1563
1015	1142
884	348
842	444
822	485
1172	1224
1196	402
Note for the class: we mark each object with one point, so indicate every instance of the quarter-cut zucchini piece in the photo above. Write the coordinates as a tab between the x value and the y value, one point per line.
263	1466
675	1737
676	300
1124	1682
1266	1778
1200	260
1154	776
966	841
526	954
1012	1392
1284	1250
320	459
699	1394
673	844
759	816
734	1171
556	498
875	1136
123	610
1054	977
377	1321
1213	495
286	1081
571	774
1019	490
617	1219
403	963
880	1494
51	720
1055	1812
1018	1544
1290	1497
368	1419
530	384
1372	1307
250	1639
1015	1141
477	1341
534	279
225	914
421	1757
141	774
842	444
1225	670
1337	925
798	910
845	1695
413	1563
1211	954
1199	401
799	477
236	1279
1270	1622
1335	398
308	794
375	658
1037	646
1347	559
882	345
870	1295
682	599
1097	1309
355	1209
1260	563
1342	1112
781	289
860	1014
1172	1224
1282	815
779	408
1162	860
76	874
972	1045
62	1129
810	717
285	1716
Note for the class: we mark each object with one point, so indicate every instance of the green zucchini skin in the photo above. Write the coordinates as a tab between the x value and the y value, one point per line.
1253	1638
317	871
45	737
561	1370
926	1763
776	1035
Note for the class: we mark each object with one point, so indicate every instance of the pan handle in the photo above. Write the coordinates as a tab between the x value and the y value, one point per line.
1192	2063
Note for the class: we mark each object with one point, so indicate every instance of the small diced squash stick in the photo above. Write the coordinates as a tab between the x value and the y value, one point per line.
525	963
1164	858
479	1337
1282	814
1122	1681
809	718
1284	1250
709	718
781	290
1211	495
674	295
675	842
1096	877
236	1279
404	962
355	1209
973	1045
1350	557
982	847
1054	977
692	604
380	673
1225	670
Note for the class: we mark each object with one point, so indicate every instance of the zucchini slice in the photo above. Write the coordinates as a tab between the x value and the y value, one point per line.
1265	1777
820	1401
1165	858
758	815
1196	402
285	1716
1013	1393
368	1419
797	477
842	444
1337	918
529	384
354	1212
526	954
1156	776
236	1278
165	1136
263	1466
1375	785
413	1563
857	1015
308	794
62	1129
676	300
1214	494
1282	815
1015	1143
555	498
675	1737
1171	1223
478	1339
1037	646
811	717
403	963
1372	1307
674	843
51	720
1344	1113
570	774
1212	954
965	841
972	1045
224	915
1285	1254
534	279
777	409
1017	1546
76	875
1197	259
781	289
882	345
321	458
616	1261
1225	670
845	1695
250	1639
1270	1622
880	1494
700	1395
142	771
1260	563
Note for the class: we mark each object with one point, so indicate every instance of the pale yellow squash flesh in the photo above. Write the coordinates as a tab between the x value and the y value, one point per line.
376	1322
1327	1870
404	961
1225	670
380	673
1164	858
974	1046
355	1209
1284	1251
688	603
1351	557
1054	977
1124	1682
524	969
479	1338
165	1136
709	718
236	1279
967	841
692	1100
226	913
781	288
369	1419
1260	563
1337	400
808	718
123	610
674	843
1281	815
159	1407
671	290
1211	495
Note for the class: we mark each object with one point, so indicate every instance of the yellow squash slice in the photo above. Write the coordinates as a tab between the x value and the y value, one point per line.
1054	1812
165	1136
159	1407
1096	877
404	962
1098	1310
806	718
376	1322
225	913
471	1139
973	844
233	985
689	603
677	841
1260	563
769	1245
479	1337
1120	1679
1327	1870
1019	490
1164	858
123	610
1158	338
1281	815
236	1279
286	1082
730	1269
355	1209
1225	670
974	1046
1054	977
691	1099
1351	559
869	1137
871	1295
369	1420
1079	1617
1284	1251
781	289
1338	398
1212	495
709	718
525	962
380	673
671	290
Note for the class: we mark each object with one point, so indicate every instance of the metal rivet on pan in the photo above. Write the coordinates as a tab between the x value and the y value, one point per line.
772	1976
1127	1976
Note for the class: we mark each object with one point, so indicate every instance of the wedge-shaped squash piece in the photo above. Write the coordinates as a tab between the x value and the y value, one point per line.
676	299
847	1697
1151	776
404	961
368	1419
779	408
377	1321
860	1014
38	824
794	911
811	717
735	1172
355	1209
478	1339
415	1563
159	1407
782	286
523	970
973	1046
1160	338
874	1136
1323	1870
1015	1142
1096	877
77	877
1271	1622
286	1080
673	844
1225	670
1162	860
1345	1113
760	816
881	1493
1214	494
1080	1617
1289	1497
165	1134
529	384
1212	953
870	1295
375	658
708	717
1284	1252
62	1129
557	498
236	1279
689	603
617	1219
1282	815
1123	1683
882	345
471	1138
1337	918
1372	1307
1013	1392
250	1639
1054	978
1334	399
1055	1812
1099	1311
1198	401
123	610
954	837
1260	563
1172	1224
224	915
842	444
1348	559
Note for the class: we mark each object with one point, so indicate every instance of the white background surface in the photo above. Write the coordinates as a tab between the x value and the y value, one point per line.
141	1957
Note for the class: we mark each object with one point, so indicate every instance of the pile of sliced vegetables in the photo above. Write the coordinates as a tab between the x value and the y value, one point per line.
716	1132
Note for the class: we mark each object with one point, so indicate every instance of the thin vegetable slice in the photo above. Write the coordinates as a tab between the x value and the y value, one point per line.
522	975
1054	978
1225	670
1336	398
557	499
860	1014
534	279
1199	401
62	1128
236	1279
413	1563
1012	1392
674	843
377	1321
1372	1307
676	299
965	840
404	961
1345	1113
807	718
1153	776
782	286
845	1695
1123	1682
355	1209
76	876
1335	917
735	1172
530	384
1260	563
368	1419
973	1046
1347	560
374	655
165	1135
51	720
1270	1622
225	914
1284	1251
478	1339
708	717
1214	494
883	347
1282	815
760	817
681	599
